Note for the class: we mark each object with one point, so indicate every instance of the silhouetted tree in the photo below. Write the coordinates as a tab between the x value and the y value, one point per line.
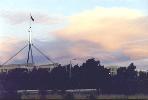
91	74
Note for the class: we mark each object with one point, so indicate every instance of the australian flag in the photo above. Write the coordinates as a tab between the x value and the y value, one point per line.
32	18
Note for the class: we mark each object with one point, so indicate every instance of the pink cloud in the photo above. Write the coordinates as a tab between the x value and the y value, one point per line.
104	33
107	27
136	49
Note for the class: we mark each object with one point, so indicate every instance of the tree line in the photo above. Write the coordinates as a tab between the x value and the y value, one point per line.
90	75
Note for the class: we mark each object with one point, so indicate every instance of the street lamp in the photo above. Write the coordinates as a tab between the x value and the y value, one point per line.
70	67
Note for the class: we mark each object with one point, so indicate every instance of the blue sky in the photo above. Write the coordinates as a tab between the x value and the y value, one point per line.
68	7
113	31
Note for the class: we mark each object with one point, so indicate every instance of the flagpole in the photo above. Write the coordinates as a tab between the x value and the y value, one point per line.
30	41
30	31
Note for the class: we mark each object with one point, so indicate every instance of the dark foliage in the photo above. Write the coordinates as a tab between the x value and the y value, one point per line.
90	75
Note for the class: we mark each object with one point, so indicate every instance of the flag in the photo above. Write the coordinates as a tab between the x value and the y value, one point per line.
32	18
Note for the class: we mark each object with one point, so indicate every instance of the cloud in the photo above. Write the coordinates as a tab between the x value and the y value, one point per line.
111	35
59	51
111	29
106	26
136	49
62	51
19	17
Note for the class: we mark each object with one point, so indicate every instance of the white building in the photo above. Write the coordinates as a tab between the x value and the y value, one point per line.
7	68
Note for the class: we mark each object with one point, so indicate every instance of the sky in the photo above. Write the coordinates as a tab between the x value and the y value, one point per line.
112	31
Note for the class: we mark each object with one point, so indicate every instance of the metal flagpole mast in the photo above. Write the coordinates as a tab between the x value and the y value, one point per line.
30	31
30	42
